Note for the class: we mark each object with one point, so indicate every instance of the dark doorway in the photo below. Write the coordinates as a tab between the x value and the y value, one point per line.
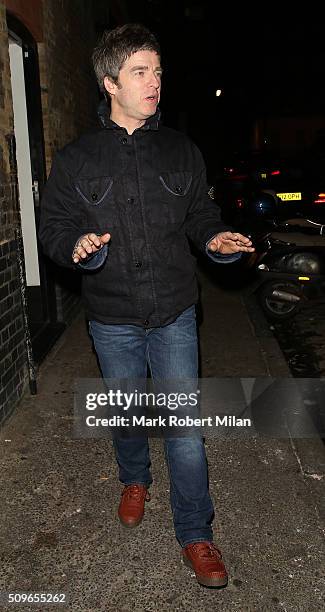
28	129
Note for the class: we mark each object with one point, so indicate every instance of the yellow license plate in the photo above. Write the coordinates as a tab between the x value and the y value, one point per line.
289	196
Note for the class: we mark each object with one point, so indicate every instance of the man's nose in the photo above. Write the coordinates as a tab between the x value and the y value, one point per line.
154	80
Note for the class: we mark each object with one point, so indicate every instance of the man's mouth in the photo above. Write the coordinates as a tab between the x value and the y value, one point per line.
152	98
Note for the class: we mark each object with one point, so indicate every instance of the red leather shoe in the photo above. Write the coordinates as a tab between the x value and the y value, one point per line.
131	508
205	559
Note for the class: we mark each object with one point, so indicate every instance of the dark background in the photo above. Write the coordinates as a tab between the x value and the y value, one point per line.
268	63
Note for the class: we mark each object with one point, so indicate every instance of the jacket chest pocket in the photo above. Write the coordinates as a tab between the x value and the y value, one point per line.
175	193
96	195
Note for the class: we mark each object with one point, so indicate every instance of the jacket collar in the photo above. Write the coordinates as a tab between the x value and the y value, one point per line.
152	123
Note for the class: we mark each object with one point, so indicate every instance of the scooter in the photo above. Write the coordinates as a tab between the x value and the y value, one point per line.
288	274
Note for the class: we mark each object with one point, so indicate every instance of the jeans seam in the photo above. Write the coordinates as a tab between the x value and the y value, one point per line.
148	357
172	484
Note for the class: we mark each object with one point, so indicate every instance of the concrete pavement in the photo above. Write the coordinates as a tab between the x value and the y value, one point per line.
59	531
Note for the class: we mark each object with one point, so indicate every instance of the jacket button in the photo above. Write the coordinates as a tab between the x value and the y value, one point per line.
138	264
130	200
178	189
94	196
146	322
124	140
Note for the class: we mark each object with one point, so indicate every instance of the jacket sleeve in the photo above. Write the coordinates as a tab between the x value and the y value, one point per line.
203	220
94	261
223	259
61	221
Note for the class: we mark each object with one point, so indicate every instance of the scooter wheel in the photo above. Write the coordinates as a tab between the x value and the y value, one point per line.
275	308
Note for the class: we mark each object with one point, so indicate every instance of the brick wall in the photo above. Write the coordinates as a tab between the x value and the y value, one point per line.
13	369
69	100
12	346
69	95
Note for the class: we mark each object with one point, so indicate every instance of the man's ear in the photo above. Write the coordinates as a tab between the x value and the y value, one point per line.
110	86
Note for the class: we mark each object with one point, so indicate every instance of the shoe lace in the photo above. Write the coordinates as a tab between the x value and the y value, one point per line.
135	492
208	550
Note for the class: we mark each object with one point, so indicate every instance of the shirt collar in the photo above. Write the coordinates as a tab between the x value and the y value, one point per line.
152	123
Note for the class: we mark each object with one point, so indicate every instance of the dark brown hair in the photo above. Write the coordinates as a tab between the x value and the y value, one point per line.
116	46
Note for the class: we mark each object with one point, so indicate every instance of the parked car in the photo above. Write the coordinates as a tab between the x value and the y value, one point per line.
253	181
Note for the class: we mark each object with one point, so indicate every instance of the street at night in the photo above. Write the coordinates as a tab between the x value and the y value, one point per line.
302	341
162	260
61	492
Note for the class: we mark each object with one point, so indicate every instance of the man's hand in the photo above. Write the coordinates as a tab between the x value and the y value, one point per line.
89	244
227	243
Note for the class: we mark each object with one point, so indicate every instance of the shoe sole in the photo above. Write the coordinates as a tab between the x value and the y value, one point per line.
209	582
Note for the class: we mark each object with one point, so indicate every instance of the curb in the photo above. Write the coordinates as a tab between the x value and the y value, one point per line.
309	452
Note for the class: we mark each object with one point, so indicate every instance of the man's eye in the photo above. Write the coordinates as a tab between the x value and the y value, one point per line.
141	72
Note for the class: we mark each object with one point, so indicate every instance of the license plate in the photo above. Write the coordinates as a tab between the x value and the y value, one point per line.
289	196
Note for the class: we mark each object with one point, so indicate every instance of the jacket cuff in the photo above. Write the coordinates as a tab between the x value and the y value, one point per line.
95	260
219	257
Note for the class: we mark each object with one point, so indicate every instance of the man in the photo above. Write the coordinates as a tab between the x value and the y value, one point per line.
121	203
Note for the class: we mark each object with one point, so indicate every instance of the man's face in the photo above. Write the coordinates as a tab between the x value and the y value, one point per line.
138	91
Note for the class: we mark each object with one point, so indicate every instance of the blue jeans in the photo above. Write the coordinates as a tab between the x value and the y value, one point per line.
124	351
